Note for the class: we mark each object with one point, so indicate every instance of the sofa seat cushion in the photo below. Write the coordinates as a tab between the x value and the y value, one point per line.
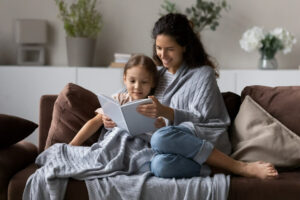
286	186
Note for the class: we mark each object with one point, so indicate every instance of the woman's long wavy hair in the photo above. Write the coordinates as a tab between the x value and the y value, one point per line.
179	27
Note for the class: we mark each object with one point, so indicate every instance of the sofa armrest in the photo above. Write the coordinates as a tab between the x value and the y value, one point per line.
45	118
13	159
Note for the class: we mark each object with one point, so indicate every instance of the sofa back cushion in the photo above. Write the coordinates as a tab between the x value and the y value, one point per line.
232	102
281	102
73	107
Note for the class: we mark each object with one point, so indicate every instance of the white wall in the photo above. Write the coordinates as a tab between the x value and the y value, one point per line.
128	23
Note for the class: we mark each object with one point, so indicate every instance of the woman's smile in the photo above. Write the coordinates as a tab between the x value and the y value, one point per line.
169	52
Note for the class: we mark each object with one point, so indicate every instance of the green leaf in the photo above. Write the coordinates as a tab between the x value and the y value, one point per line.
206	13
80	19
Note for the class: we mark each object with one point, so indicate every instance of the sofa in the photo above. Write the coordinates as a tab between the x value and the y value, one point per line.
74	104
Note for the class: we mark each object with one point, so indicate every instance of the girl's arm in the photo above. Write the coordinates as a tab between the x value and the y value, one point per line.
87	130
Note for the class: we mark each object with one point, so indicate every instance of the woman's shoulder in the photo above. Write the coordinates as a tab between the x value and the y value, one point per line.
204	71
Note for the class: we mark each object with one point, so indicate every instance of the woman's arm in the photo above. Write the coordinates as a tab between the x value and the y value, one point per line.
87	130
156	109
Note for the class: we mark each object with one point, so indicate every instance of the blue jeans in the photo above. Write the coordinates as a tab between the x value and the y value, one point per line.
179	153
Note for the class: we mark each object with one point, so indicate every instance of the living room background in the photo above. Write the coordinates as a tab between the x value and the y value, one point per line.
128	23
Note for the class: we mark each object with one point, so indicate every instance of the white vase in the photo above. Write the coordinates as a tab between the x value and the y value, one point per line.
266	63
80	51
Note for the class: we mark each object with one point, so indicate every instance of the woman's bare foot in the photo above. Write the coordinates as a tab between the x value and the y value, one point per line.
257	169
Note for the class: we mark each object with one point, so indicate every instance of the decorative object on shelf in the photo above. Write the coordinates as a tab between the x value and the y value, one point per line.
268	44
203	15
120	59
82	23
31	37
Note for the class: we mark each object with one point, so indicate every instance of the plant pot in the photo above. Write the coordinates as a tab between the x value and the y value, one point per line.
80	51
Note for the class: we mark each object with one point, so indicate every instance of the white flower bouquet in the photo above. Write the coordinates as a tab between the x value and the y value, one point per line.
267	43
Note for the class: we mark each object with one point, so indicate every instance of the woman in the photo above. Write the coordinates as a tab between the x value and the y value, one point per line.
187	96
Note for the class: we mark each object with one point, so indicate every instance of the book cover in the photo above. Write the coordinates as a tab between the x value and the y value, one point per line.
126	116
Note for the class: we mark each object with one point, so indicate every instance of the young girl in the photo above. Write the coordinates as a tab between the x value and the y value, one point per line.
140	78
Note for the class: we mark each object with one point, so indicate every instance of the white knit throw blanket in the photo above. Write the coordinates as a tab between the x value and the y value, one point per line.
120	162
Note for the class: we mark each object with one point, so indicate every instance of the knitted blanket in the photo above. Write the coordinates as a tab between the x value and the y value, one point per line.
119	161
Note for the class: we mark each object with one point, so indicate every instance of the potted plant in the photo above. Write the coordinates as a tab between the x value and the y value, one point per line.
82	23
204	14
268	44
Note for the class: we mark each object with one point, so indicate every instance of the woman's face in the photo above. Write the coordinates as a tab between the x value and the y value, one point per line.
138	82
169	52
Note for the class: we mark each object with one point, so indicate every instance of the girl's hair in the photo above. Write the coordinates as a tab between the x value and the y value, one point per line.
145	62
180	28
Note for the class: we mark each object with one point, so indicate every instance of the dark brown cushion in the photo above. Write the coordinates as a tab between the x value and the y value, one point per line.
232	102
281	102
73	107
14	129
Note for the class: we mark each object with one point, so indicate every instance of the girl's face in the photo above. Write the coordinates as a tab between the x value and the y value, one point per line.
169	52
138	82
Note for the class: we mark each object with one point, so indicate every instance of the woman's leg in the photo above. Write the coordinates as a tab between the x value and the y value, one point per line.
176	166
176	149
180	140
257	169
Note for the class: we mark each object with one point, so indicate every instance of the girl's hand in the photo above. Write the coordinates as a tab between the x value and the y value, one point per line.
156	109
108	123
160	122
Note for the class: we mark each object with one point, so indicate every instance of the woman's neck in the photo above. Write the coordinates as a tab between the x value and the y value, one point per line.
173	70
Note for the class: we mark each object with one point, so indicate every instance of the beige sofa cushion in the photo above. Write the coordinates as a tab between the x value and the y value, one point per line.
281	102
256	135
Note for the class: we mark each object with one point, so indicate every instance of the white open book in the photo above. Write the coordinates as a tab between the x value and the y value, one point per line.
126	116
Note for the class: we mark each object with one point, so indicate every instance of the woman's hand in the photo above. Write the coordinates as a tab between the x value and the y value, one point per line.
108	123
156	109
159	122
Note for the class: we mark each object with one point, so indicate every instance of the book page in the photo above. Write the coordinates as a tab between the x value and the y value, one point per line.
112	109
137	123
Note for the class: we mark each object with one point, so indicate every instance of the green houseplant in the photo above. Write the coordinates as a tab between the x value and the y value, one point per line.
82	23
204	14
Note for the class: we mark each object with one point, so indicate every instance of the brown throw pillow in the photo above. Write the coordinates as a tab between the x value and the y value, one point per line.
281	102
256	135
14	129
73	107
